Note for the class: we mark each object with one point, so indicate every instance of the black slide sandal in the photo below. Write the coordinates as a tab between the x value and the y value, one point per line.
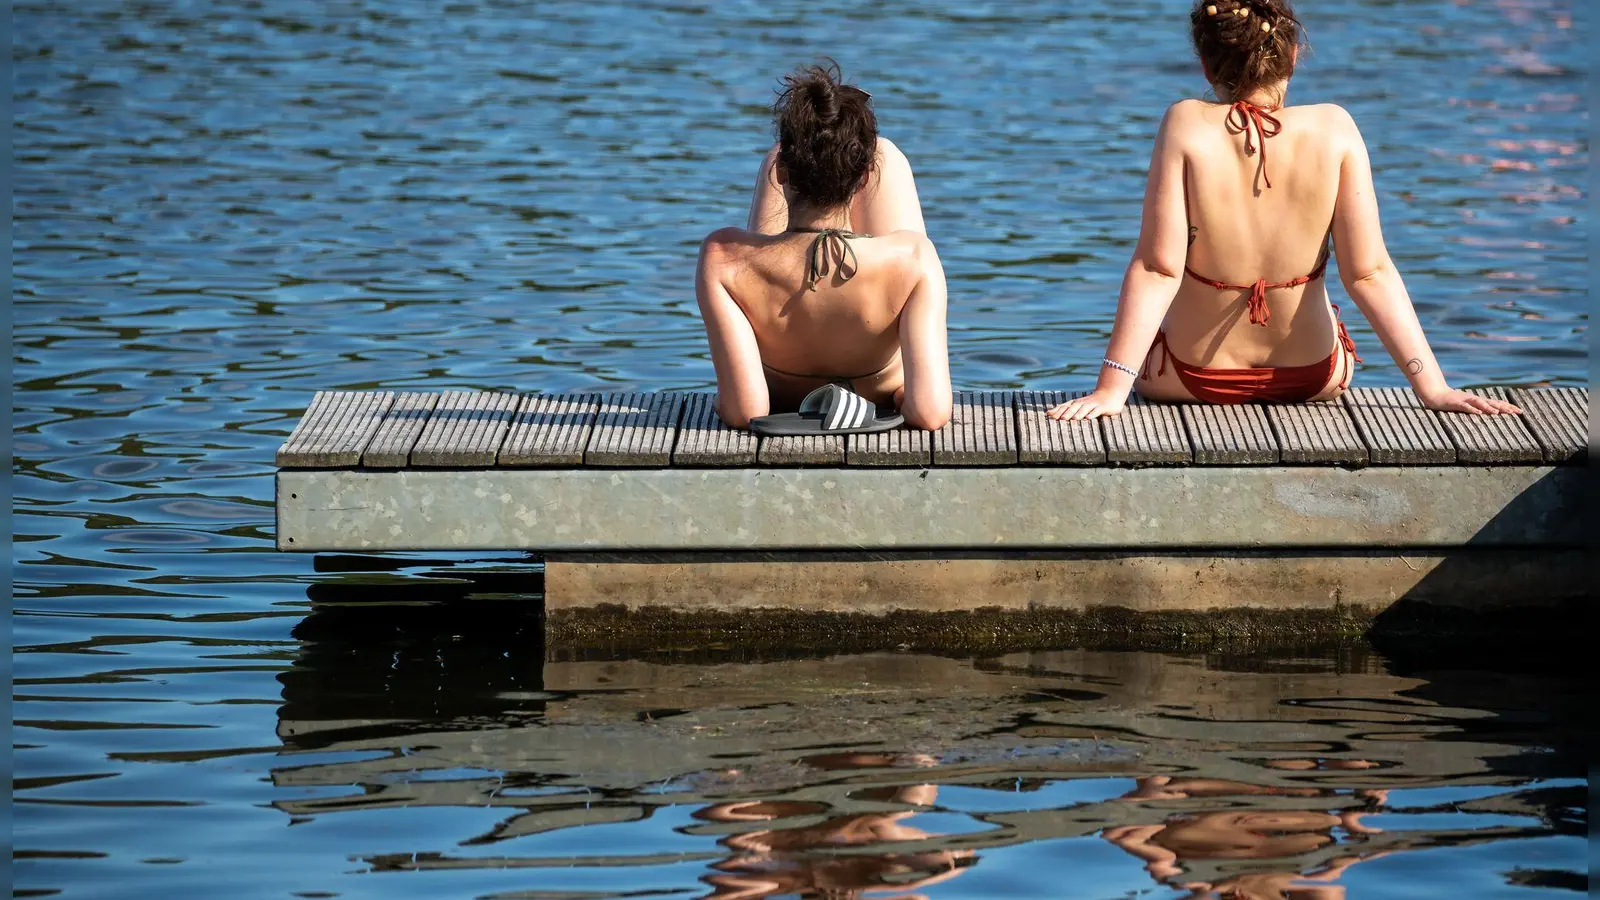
829	409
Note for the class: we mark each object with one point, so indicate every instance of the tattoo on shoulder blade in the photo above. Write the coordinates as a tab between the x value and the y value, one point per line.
1414	366
1193	233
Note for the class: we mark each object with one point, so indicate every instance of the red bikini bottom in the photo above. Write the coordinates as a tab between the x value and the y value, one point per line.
1284	384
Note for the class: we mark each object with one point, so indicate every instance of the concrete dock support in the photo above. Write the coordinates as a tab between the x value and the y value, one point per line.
1464	579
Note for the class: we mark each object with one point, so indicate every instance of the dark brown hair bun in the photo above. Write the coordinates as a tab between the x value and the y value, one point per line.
1245	44
827	135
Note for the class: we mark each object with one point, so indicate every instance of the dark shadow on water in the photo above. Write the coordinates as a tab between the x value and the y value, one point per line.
419	654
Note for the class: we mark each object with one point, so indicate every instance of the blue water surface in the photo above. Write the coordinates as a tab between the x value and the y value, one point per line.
221	206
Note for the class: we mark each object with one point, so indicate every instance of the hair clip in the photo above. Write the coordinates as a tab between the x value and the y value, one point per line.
1211	10
1242	12
863	91
1266	26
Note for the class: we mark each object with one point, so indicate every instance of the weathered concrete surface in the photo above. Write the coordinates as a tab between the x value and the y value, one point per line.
844	509
1157	583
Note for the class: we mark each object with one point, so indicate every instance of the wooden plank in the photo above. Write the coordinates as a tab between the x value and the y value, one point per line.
1558	419
1317	433
703	439
811	450
311	429
1397	429
635	429
1041	439
466	429
1491	439
1231	435
901	447
981	431
336	427
1147	434
398	433
487	431
550	430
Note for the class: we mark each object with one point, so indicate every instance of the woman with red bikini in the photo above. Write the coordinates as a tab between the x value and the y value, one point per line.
1225	301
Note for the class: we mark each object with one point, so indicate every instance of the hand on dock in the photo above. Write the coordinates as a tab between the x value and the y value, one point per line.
1449	400
1093	406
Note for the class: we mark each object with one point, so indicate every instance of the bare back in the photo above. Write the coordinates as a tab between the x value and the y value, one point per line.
1242	231
846	328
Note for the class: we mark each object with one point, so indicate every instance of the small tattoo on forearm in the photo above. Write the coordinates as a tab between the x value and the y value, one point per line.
1414	366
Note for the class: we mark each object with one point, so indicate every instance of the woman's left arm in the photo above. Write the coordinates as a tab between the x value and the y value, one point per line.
926	399
1373	282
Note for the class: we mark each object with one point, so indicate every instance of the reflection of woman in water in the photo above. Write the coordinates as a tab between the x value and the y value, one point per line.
804	861
1244	834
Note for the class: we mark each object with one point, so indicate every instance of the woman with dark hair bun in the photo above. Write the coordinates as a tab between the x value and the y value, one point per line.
1224	301
833	281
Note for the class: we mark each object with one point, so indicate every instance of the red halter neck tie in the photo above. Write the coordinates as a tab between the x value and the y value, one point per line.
1240	117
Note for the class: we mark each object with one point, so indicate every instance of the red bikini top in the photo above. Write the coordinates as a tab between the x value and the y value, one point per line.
1259	313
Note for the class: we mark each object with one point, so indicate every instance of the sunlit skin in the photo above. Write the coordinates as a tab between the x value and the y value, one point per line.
1321	182
888	319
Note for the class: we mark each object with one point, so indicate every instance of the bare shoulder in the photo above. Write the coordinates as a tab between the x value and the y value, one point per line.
723	250
1186	110
1333	120
888	152
725	238
1185	114
1331	113
910	247
725	242
910	256
1181	122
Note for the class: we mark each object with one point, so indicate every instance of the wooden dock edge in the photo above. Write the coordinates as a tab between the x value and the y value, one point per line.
1161	509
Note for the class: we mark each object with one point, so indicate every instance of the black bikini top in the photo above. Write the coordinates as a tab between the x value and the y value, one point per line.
829	243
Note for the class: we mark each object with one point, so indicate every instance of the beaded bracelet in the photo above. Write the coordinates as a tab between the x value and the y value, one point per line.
1119	366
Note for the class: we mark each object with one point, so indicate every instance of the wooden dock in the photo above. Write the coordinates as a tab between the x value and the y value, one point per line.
644	476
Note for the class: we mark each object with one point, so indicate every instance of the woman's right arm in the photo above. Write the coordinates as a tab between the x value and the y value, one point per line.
741	385
1373	282
1151	281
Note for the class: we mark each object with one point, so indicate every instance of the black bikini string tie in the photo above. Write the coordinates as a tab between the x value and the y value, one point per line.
830	242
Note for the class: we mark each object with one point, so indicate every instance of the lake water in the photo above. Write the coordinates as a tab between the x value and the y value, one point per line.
222	206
